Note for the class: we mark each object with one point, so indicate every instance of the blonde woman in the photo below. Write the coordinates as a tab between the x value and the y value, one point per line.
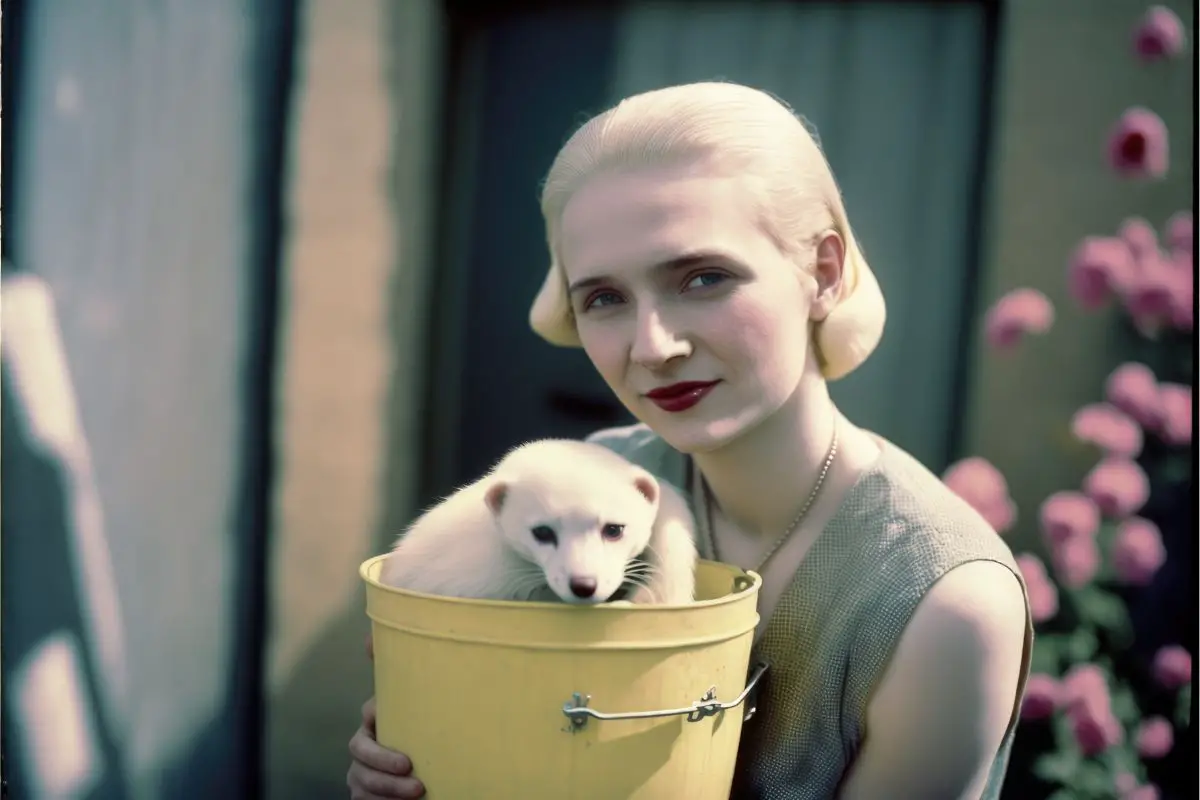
702	258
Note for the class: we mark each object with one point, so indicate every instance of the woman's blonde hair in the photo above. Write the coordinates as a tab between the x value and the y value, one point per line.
739	131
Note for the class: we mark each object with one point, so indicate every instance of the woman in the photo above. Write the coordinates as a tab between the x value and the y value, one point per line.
701	257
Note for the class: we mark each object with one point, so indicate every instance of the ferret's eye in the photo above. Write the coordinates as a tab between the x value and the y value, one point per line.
544	534
613	531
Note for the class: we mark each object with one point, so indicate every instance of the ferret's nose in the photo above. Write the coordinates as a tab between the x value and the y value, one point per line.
583	587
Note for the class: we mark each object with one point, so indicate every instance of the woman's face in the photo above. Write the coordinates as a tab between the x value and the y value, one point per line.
674	281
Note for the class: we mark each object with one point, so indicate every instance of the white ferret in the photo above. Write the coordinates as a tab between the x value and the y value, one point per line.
555	519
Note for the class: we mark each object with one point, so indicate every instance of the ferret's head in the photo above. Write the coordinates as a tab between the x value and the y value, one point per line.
577	511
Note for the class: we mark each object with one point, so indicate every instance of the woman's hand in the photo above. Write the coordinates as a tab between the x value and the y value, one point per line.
375	771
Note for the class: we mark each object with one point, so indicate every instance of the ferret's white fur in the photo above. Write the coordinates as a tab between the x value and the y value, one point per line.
478	542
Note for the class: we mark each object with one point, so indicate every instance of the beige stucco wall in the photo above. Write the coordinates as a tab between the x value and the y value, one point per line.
350	346
1067	73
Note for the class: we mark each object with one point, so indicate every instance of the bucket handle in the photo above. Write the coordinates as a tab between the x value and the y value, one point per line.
577	711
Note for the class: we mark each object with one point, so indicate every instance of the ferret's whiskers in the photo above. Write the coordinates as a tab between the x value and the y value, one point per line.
639	573
524	584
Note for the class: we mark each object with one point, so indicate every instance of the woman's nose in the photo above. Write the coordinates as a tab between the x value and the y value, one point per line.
655	343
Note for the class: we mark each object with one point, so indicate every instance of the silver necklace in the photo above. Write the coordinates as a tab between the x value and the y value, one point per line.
787	534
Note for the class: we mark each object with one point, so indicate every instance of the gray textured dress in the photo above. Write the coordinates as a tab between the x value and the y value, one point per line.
829	640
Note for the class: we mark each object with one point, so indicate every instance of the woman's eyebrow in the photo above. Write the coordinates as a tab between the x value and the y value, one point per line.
681	261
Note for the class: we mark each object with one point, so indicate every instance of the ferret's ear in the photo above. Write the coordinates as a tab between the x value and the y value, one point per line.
648	487
494	497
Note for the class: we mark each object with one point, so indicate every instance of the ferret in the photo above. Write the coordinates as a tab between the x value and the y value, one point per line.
554	520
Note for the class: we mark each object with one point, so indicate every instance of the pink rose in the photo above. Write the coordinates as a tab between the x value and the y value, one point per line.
1118	486
1041	697
1017	314
1076	561
1138	145
1085	685
1137	551
1179	232
1150	296
1125	782
1043	595
975	480
1141	238
1068	515
1147	791
1109	428
1154	737
1099	267
1172	667
1175	413
1133	389
1095	733
1159	35
1182	313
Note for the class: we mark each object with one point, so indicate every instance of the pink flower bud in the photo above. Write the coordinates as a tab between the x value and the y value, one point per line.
1159	35
1183	294
1043	600
1067	515
1099	267
1076	561
1041	697
1043	596
1154	737
975	480
1138	145
1095	733
1147	791
1172	667
1150	296
1139	235
1017	314
1085	685
1118	486
1125	782
1109	428
1179	233
1133	389
1175	413
1137	551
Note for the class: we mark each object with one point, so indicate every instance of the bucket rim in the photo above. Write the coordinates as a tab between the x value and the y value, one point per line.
755	584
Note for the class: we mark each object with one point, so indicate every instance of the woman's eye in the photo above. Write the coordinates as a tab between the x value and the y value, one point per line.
705	280
603	299
544	534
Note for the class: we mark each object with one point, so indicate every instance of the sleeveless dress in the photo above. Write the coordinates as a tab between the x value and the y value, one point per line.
897	531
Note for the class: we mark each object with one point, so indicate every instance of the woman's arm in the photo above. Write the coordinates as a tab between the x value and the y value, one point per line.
941	710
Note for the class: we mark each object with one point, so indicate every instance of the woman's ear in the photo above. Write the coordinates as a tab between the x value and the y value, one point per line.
827	271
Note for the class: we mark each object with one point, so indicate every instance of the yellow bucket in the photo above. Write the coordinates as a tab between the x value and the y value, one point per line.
497	700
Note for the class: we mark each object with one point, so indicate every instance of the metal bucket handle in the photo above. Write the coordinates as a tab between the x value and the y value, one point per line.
577	712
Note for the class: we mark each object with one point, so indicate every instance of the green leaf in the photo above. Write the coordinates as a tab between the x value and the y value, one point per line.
1125	705
1058	766
1092	779
1105	610
1081	646
1047	654
1183	707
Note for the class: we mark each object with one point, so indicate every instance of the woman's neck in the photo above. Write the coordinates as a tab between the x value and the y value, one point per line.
760	481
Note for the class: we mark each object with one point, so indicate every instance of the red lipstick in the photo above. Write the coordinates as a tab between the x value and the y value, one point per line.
680	396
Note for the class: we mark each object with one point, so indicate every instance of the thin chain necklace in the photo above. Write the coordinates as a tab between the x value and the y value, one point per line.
791	529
